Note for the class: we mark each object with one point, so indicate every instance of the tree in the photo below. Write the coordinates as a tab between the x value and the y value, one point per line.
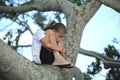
111	52
77	17
96	67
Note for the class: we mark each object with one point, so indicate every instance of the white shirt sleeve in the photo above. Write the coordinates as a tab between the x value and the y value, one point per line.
39	35
36	45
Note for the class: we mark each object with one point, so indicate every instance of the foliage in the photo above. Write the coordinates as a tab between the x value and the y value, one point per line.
22	21
78	2
96	67
87	76
114	73
12	36
39	18
13	42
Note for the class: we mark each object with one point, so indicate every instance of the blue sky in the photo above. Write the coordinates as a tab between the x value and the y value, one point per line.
98	33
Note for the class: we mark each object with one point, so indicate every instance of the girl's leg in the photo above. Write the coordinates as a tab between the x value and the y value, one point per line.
54	58
59	59
46	56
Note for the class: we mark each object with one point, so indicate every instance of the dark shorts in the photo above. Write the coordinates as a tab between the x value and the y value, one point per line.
46	56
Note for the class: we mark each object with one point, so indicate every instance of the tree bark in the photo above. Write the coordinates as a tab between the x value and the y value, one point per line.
77	17
16	67
108	62
115	4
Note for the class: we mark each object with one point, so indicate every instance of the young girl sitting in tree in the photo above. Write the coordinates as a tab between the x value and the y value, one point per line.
47	46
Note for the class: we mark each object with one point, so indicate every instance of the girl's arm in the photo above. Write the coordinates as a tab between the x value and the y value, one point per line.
60	44
50	42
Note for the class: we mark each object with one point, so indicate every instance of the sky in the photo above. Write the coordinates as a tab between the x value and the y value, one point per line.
98	33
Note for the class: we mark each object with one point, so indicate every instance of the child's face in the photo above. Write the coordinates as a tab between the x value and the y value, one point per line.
59	35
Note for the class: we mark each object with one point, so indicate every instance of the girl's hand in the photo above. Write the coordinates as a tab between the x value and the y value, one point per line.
63	52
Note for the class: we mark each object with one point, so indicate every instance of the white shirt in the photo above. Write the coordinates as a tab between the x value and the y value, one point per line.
36	46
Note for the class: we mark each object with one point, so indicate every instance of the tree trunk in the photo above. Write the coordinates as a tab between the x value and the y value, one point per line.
77	18
16	67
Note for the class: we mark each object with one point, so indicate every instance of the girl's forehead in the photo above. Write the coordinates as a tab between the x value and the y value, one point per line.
61	31
62	34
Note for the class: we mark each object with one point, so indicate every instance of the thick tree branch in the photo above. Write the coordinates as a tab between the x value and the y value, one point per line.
41	5
19	9
108	62
78	74
15	67
115	4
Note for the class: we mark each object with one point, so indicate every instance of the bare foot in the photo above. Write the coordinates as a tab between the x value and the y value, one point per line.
69	66
61	63
60	60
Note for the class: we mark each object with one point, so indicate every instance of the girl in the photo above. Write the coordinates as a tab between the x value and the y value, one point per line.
47	46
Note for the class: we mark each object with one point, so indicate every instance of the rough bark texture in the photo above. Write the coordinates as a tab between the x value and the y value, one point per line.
108	62
16	67
115	4
76	20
